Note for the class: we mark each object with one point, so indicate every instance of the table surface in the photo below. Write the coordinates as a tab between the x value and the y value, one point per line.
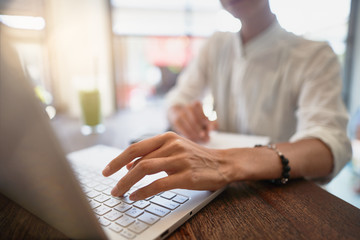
245	210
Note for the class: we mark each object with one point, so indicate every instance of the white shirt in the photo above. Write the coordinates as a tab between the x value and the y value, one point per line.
278	85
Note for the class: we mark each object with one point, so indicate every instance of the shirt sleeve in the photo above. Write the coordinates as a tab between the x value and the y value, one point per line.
321	113
192	83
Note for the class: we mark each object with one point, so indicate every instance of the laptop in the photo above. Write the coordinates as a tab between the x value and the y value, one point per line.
69	192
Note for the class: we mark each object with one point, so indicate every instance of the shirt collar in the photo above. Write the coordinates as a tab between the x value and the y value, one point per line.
265	41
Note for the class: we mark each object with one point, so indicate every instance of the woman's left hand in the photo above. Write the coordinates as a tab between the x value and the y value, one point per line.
187	164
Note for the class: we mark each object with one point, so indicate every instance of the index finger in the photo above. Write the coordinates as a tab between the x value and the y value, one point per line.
135	150
199	114
202	119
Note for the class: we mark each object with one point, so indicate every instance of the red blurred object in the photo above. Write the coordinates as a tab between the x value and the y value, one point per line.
171	51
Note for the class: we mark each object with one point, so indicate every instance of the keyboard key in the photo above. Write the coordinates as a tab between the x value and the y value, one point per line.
94	204
115	228
168	195
98	178
107	191
108	181
122	207
100	187
131	190
126	199
141	204
86	189
147	199
180	199
91	184
128	234
112	202
84	180
134	212
138	227
125	221
113	215
140	184
104	222
164	202
92	194
102	198
148	218
157	210
102	210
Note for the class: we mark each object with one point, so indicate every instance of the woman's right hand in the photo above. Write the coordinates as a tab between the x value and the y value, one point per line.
191	122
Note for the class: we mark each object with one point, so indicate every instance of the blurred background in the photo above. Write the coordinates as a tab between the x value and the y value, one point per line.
135	49
131	52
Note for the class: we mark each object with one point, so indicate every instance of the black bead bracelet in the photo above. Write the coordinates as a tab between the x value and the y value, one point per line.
285	175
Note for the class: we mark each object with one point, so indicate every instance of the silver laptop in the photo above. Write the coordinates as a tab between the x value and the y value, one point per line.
70	193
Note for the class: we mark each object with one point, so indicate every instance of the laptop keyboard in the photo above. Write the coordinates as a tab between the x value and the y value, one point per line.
120	214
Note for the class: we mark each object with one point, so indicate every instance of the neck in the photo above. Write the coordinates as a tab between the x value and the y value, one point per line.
254	25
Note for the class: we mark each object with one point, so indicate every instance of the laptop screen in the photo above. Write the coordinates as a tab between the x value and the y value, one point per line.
34	171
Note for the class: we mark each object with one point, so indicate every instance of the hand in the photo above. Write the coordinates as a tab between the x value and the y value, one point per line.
191	122
188	165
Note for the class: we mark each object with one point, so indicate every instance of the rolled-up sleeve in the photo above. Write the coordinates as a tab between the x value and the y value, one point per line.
321	113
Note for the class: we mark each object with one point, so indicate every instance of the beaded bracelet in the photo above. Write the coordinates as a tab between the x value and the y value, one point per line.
285	175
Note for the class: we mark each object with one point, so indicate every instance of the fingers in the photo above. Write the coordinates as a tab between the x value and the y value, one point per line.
143	167
185	125
129	165
191	122
163	151
199	113
160	185
136	150
201	123
140	170
214	125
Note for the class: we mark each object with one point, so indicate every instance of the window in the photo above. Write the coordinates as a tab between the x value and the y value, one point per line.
25	26
322	20
155	39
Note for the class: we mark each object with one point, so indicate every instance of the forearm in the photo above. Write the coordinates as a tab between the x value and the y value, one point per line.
307	158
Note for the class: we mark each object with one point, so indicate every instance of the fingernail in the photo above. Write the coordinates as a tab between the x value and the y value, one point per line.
132	166
115	191
106	170
133	197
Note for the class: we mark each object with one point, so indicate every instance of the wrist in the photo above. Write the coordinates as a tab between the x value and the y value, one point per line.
238	164
252	164
285	174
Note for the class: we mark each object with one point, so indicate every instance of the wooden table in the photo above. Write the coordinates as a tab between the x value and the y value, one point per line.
245	210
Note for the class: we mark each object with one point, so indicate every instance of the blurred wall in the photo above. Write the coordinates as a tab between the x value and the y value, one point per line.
79	37
355	74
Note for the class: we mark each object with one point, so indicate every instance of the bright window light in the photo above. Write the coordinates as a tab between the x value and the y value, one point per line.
226	22
323	20
23	22
303	16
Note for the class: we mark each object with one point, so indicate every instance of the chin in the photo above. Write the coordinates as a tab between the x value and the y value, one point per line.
236	7
233	3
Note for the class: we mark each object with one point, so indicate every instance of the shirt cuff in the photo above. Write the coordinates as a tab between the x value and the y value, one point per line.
338	143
